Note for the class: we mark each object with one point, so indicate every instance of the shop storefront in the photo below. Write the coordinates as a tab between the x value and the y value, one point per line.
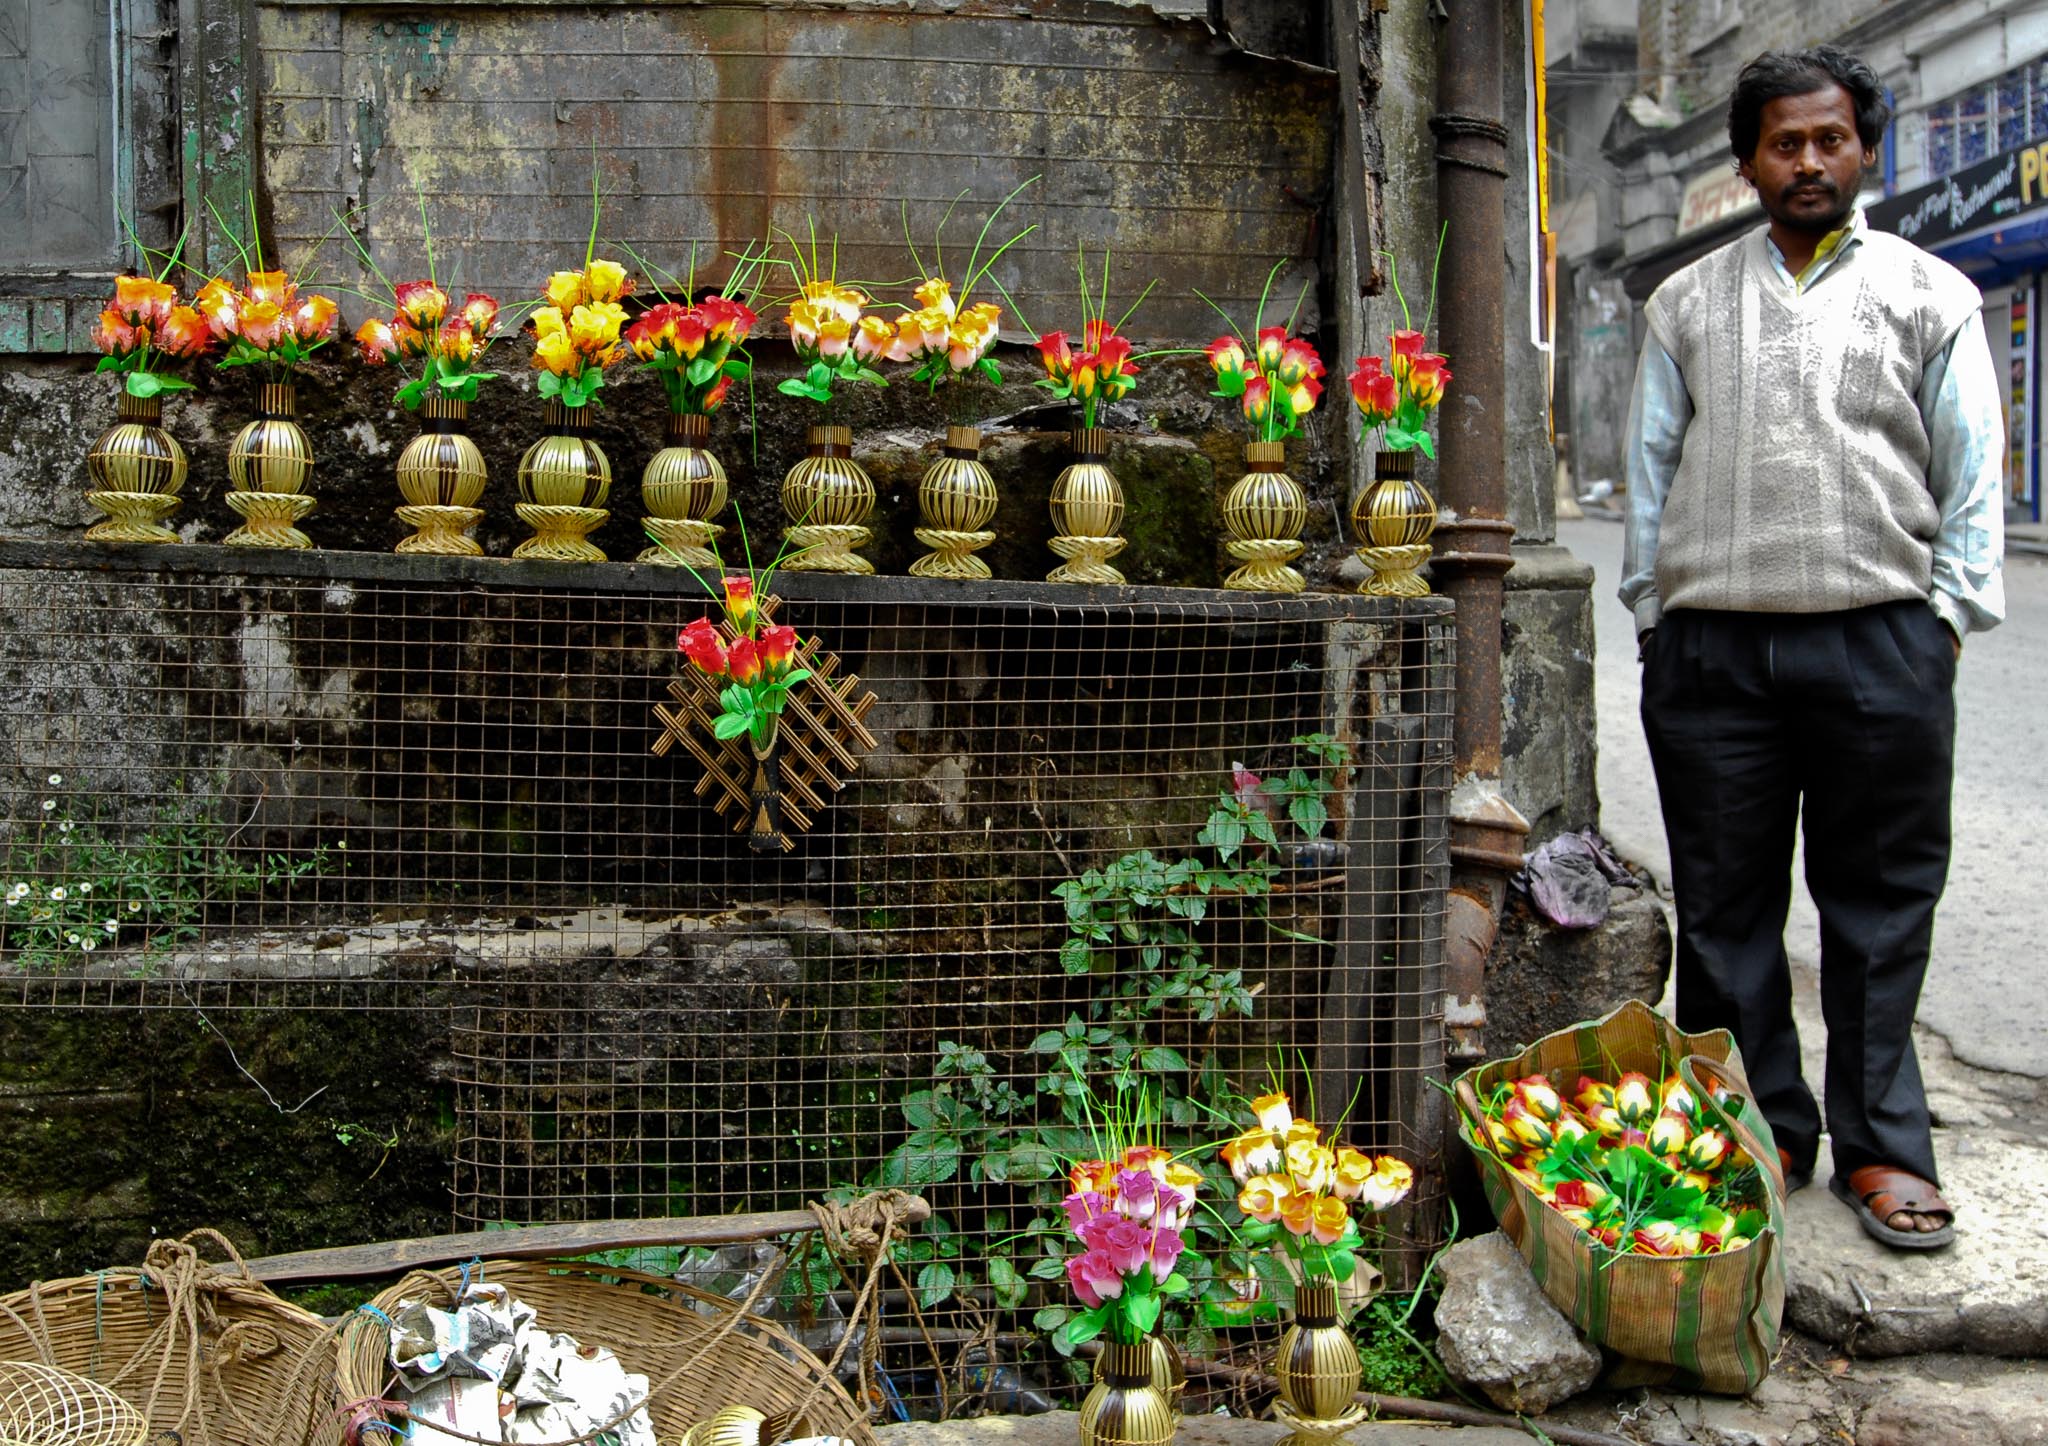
1991	220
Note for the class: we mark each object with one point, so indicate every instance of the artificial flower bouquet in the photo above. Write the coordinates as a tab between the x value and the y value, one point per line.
830	329
576	330
1276	379
1301	1193
1641	1168
757	656
943	338
266	321
694	350
1128	1216
1396	396
144	325
445	340
1103	370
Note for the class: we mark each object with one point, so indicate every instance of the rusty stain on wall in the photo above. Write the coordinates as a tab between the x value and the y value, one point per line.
713	122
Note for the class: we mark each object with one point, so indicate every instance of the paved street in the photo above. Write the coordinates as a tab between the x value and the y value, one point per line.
1989	966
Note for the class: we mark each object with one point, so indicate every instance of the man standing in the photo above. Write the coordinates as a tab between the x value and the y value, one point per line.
1814	526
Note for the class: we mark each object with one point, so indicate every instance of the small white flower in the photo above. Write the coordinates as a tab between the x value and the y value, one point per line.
59	894
135	906
16	894
84	889
87	944
49	805
72	936
112	926
65	826
56	780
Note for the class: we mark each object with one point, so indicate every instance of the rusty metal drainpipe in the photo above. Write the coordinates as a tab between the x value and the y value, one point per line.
1486	831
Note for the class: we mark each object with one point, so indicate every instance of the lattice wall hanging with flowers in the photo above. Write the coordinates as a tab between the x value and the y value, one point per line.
819	740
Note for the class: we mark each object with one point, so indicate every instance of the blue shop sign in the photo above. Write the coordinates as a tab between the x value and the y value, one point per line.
1988	195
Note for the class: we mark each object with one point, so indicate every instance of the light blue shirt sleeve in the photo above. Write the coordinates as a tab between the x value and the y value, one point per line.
1658	415
1959	403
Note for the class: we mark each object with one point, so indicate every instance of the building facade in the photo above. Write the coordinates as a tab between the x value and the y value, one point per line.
1962	172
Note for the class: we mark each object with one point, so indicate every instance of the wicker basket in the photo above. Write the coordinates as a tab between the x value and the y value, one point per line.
699	1352
43	1406
201	1350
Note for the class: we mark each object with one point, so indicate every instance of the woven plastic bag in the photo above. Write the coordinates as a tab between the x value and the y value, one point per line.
1707	1322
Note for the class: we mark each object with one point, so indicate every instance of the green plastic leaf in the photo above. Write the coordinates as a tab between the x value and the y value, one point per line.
789	387
700	371
112	364
738	370
990	370
144	384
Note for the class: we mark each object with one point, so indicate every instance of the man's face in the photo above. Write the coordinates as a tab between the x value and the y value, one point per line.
1809	163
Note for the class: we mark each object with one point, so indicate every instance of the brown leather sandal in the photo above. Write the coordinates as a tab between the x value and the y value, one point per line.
1877	1192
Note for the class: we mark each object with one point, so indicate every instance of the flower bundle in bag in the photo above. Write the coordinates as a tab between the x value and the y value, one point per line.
1704	1319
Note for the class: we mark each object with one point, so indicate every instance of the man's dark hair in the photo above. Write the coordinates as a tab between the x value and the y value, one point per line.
1778	73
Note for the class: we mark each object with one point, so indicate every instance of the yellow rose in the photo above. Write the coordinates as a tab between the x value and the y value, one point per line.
834	337
556	353
1314	1168
1263	1196
548	323
565	289
606	281
937	295
596	326
1353	1170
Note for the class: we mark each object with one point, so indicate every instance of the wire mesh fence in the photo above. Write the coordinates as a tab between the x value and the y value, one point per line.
1186	838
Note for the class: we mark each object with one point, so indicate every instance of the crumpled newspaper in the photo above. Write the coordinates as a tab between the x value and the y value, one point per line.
1570	879
488	1369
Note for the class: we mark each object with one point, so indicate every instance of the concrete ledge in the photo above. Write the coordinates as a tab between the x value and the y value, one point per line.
1062	1428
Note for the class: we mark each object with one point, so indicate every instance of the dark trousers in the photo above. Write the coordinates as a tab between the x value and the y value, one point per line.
1852	715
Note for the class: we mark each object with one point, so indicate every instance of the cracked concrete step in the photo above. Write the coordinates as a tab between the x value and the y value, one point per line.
1986	1294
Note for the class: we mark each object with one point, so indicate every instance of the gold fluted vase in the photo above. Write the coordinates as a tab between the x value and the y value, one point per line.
270	469
1265	511
441	475
1087	508
564	479
1317	1367
956	497
136	469
1393	520
1125	1407
827	497
682	489
1168	1372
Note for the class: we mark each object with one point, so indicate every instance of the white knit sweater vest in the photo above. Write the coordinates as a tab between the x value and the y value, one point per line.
1802	486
